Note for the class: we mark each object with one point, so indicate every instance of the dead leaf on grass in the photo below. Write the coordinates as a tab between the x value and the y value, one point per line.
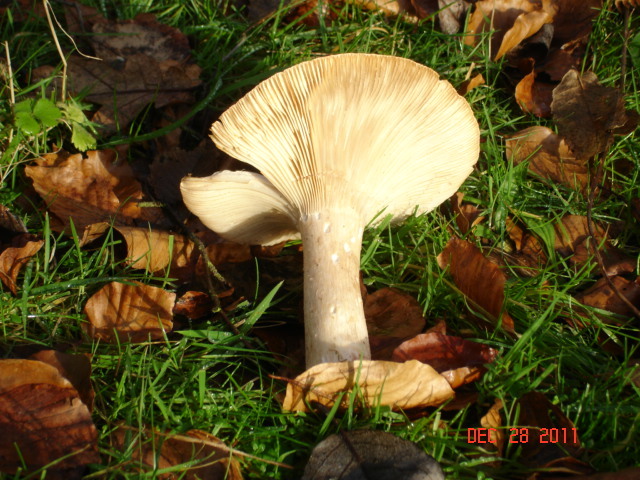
512	20
477	277
75	368
90	189
467	215
372	455
10	222
587	113
129	312
600	295
43	420
460	361
153	450
492	421
529	253
451	15
397	385
470	84
393	313
16	256
549	157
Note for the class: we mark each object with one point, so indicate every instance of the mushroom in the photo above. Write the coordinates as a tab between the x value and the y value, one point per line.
338	140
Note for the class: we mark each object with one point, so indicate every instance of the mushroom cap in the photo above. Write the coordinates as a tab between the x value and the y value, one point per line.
370	131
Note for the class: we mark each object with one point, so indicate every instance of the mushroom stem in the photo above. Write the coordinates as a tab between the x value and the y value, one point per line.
334	322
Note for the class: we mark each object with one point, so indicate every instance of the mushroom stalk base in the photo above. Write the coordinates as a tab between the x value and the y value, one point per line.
335	326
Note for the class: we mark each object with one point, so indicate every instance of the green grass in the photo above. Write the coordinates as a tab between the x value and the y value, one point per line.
207	378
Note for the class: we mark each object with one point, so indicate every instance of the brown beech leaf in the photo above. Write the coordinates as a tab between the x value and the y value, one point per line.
587	113
397	385
549	157
43	420
193	305
16	256
534	96
199	454
467	215
492	421
393	313
458	360
529	254
541	450
512	20
129	312
451	15
573	240
90	189
468	85
370	455
601	295
10	222
75	368
141	61
157	250
477	277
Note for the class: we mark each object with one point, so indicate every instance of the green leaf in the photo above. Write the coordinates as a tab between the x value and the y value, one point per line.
73	112
81	138
47	112
25	106
27	123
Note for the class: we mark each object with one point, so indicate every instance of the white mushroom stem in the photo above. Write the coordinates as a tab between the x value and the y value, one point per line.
335	326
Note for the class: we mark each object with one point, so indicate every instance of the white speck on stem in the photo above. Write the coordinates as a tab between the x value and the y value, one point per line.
334	258
347	248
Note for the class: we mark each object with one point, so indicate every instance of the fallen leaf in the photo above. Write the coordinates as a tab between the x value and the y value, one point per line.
587	113
370	455
470	84
10	222
198	454
467	215
451	15
90	189
75	368
600	295
533	96
393	313
492	421
549	157
16	256
141	61
552	437
478	278
193	305
129	312
511	21
446	354
397	385
43	420
529	254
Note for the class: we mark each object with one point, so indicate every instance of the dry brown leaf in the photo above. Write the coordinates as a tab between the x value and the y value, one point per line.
528	253
397	385
392	313
492	421
10	222
512	20
549	157
16	256
534	96
213	459
129	312
541	417
193	305
75	368
587	113
451	15
141	61
447	354
477	277
574	19
90	189
371	455
601	295
467	215
470	84
42	420
573	240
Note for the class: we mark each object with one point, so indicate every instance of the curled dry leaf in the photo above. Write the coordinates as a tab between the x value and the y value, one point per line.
392	313
370	455
75	368
549	157
199	454
478	278
512	20
16	256
43	420
90	189
492	421
470	84
129	312
451	15
534	96
587	113
467	215
193	305
529	254
460	361
10	222
397	385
